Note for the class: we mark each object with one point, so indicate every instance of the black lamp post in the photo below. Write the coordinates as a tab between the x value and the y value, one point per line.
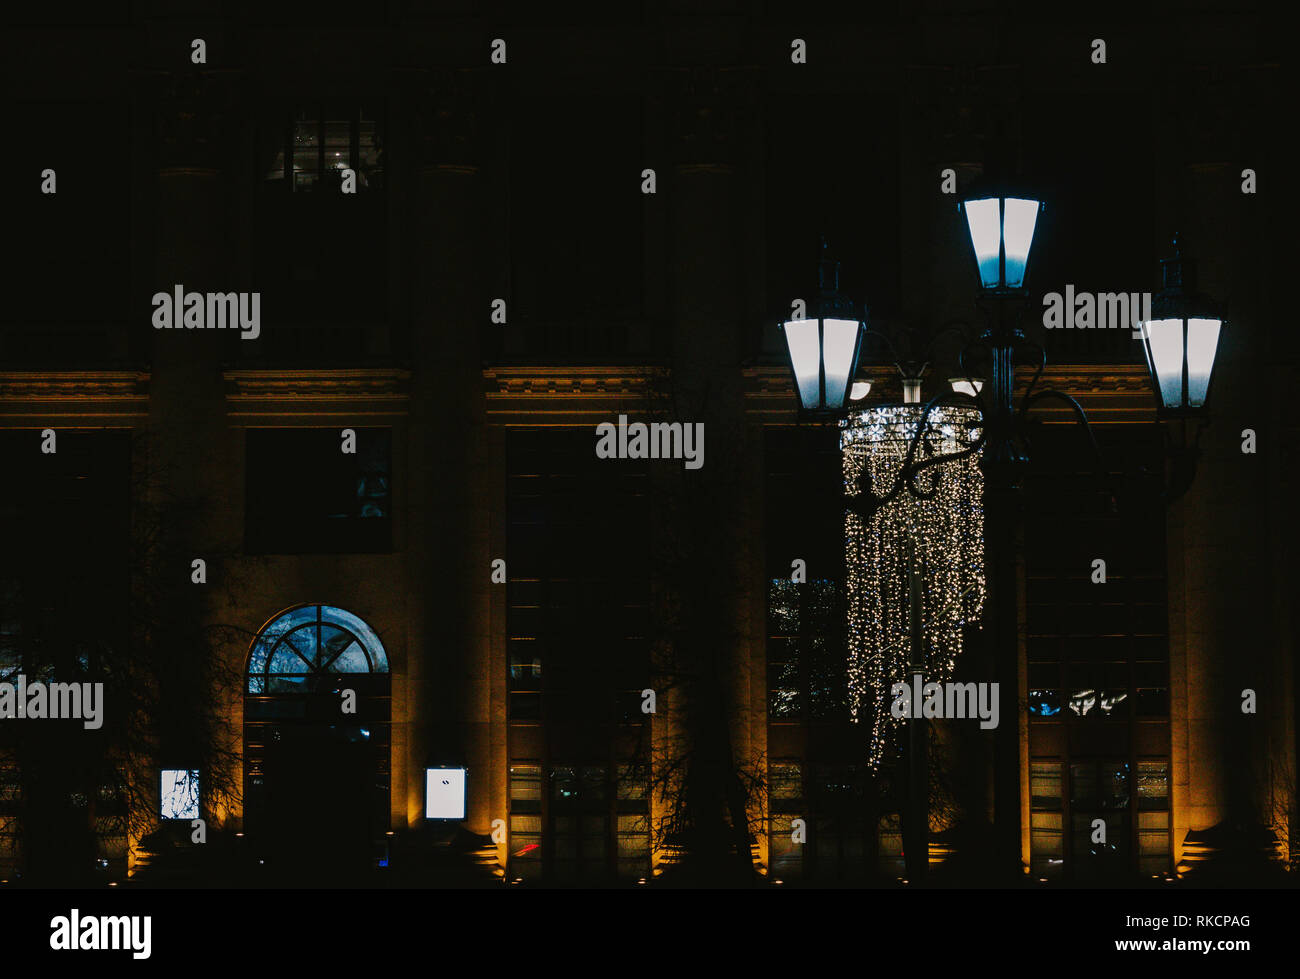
1001	228
824	347
1181	340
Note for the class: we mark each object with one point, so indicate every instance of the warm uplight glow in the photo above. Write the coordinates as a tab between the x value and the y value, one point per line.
948	532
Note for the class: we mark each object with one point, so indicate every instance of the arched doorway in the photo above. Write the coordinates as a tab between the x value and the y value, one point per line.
316	777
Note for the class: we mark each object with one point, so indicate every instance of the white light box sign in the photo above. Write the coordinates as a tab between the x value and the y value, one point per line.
180	793
444	793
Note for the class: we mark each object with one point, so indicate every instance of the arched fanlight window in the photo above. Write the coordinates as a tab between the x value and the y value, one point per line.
312	641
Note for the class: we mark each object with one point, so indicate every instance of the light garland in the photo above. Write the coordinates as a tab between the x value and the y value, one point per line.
948	533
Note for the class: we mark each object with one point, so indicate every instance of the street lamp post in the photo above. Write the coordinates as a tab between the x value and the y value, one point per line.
1001	232
824	347
916	843
1180	340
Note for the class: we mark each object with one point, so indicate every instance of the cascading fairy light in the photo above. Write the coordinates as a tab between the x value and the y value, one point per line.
948	533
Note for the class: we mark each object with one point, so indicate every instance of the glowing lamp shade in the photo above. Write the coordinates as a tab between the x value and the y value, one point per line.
1180	355
966	385
1001	233
859	390
823	356
444	793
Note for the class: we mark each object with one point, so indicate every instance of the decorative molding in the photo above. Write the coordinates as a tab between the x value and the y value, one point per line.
536	395
353	391
102	396
1108	392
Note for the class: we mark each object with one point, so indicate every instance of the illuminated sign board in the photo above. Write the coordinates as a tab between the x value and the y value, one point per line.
444	793
179	796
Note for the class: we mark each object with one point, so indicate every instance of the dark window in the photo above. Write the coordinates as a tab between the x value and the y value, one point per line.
65	586
817	774
320	255
577	619
811	192
1153	817
805	535
69	257
805	657
840	841
1097	651
1098	657
1046	844
577	278
578	598
319	144
304	495
1083	210
296	745
1099	819
525	859
1103	835
786	803
11	790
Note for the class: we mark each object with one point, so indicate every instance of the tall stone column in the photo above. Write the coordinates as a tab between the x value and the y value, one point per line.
448	544
1240	762
704	122
184	462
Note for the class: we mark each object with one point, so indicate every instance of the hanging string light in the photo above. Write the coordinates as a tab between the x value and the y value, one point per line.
948	533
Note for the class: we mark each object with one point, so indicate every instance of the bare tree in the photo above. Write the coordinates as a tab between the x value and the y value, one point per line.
104	596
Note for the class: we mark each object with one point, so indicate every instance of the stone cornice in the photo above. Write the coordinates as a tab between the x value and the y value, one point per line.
99	397
543	395
353	391
1108	392
525	395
